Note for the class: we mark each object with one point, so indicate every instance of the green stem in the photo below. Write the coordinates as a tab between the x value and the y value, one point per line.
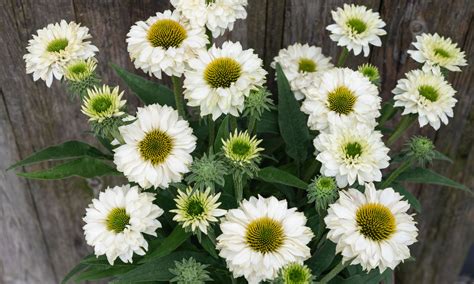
403	125
212	131
335	271
178	95
342	57
238	187
251	126
233	123
403	167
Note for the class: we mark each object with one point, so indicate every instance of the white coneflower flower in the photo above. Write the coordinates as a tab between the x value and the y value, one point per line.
54	47
80	69
262	236
103	103
372	229
351	152
157	149
342	95
196	209
356	27
435	50
219	79
301	65
215	15
164	43
426	93
117	220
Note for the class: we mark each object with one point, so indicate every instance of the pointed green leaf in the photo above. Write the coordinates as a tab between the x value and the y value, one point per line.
67	150
442	157
274	175
172	242
422	175
149	92
268	123
291	120
78	268
83	167
100	272
322	258
222	133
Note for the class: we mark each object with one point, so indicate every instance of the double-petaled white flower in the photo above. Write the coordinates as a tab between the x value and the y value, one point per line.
262	236
356	27
54	47
164	43
117	220
302	64
435	50
426	93
157	149
372	229
219	79
216	15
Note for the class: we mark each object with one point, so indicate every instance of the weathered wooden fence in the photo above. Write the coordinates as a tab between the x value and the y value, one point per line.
41	236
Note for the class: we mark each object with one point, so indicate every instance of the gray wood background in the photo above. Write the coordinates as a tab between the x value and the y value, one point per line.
41	236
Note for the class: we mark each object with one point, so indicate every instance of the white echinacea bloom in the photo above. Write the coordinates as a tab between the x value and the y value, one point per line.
356	27
103	103
117	220
342	95
372	229
351	152
164	43
435	50
216	15
262	236
54	46
426	93
219	79
157	149
301	65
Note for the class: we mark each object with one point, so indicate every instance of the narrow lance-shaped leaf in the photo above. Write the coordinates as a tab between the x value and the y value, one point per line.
422	175
67	150
291	120
149	92
172	242
222	133
83	167
274	175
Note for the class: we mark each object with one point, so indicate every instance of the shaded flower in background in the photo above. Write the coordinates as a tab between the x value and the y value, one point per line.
157	149
117	220
372	229
301	65
356	27
294	273
426	93
54	47
262	236
81	76
371	72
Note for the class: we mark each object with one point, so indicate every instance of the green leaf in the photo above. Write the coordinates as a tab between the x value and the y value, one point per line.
172	242
67	150
83	167
222	133
291	120
422	175
149	92
442	157
408	196
209	246
274	175
372	277
268	123
322	258
78	268
99	272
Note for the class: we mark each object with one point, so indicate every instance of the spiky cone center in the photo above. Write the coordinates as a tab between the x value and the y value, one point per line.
356	25
306	65
166	33
375	221
428	92
264	235
117	220
57	45
156	146
195	207
441	52
341	100
222	72
296	273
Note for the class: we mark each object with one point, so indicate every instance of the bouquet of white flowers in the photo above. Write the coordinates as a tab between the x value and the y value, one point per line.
222	182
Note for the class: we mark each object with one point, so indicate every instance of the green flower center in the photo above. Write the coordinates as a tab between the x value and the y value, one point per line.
78	68
375	221
341	100
240	148
297	275
264	235
222	72
356	25
56	45
117	220
353	150
166	33
101	104
155	147
325	184
195	207
428	92
442	53
306	65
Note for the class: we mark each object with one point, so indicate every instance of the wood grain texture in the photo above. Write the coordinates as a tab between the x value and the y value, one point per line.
43	236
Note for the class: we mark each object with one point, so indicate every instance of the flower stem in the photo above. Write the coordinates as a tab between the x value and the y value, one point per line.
238	187
403	167
251	126
212	131
342	57
405	123
333	273
178	95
